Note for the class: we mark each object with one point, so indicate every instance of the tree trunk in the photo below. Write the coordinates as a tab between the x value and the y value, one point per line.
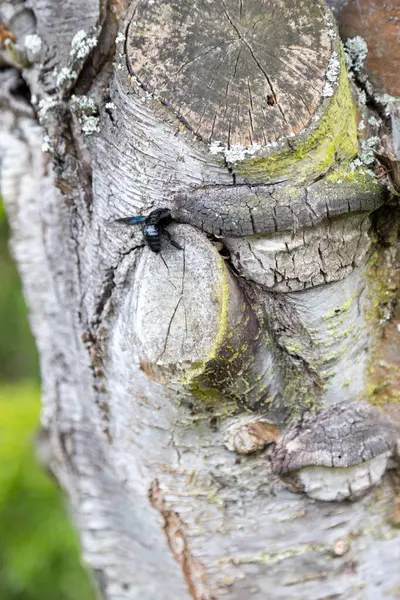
206	405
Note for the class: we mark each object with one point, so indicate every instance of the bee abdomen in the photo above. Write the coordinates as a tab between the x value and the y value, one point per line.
152	236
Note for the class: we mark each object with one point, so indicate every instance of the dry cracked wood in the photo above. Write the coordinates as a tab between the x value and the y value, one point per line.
245	69
238	211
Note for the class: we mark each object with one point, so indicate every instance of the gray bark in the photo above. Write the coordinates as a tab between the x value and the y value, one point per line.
201	404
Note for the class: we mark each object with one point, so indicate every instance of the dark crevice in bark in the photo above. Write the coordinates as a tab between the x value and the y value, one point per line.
106	292
103	54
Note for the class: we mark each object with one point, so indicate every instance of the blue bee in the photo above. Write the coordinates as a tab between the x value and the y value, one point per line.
154	226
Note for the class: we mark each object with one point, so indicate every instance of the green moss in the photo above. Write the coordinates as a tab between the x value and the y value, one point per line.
335	138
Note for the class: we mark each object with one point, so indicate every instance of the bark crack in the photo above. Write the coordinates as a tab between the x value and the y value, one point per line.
175	531
250	49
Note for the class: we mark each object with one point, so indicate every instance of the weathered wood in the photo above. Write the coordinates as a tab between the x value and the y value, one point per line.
230	71
157	370
238	211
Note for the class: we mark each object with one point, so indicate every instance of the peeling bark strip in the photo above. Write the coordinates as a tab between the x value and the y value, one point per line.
197	374
176	534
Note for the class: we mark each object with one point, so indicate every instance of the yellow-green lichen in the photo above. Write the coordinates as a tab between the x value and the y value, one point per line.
273	558
341	309
383	283
334	139
299	393
342	173
294	350
222	377
222	295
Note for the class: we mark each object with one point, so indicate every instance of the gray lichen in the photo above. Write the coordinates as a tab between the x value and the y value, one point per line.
86	111
65	76
356	51
81	45
33	47
367	155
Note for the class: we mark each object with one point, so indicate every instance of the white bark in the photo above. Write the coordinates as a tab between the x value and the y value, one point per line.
151	365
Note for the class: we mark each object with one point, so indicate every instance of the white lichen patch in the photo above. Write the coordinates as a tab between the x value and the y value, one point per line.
33	43
356	51
90	125
65	76
46	146
374	122
237	152
328	90
81	45
216	148
333	71
85	110
385	100
45	106
120	38
110	106
332	76
361	99
367	156
85	104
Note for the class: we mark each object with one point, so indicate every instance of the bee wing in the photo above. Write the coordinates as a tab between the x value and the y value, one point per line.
131	220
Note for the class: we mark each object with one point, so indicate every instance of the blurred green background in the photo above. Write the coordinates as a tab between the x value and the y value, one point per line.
39	549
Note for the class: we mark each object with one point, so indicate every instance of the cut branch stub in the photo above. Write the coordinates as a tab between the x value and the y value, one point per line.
237	72
263	83
193	326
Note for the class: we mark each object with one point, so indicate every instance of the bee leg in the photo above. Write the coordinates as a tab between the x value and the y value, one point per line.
172	241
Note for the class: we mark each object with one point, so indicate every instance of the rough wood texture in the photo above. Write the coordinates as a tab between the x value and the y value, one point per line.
151	363
342	436
236	72
238	211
